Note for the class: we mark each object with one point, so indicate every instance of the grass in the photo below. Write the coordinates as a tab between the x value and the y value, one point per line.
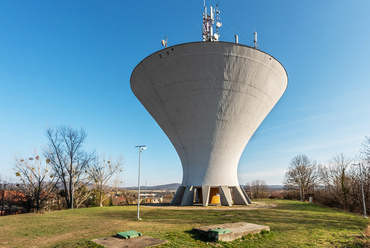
292	224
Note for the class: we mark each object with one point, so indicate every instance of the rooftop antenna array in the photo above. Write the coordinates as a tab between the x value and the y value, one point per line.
208	22
218	24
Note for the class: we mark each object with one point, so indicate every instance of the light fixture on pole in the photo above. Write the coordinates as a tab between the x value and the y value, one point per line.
141	148
300	188
362	188
146	190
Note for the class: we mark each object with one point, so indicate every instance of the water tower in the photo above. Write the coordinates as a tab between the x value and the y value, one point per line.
209	98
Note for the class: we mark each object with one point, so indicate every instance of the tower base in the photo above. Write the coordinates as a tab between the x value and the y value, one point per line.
220	195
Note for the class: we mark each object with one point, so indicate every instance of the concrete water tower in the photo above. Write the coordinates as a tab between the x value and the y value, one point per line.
209	98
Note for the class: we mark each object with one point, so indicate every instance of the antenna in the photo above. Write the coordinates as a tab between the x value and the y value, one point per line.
208	22
218	24
164	42
255	44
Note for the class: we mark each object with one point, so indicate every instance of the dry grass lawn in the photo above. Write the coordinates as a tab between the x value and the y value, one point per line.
292	224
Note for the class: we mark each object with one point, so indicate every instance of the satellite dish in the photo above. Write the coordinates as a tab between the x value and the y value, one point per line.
163	42
216	36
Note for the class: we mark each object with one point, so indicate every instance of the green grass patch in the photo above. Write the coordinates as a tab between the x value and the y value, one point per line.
292	224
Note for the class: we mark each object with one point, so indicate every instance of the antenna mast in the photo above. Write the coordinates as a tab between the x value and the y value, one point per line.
255	44
218	24
208	22
164	42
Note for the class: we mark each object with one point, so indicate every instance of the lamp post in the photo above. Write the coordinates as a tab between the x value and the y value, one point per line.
146	190
362	188
141	148
300	188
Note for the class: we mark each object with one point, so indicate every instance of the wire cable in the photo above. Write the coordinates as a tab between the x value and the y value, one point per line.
237	27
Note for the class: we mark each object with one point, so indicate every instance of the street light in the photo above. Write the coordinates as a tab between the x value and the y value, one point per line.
141	148
300	188
146	190
362	188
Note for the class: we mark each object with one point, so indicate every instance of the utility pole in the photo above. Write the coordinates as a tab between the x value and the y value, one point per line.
362	189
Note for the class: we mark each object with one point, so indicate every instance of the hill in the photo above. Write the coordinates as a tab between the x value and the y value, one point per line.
174	186
170	187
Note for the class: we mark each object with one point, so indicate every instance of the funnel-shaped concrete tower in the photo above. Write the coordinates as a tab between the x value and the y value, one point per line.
209	98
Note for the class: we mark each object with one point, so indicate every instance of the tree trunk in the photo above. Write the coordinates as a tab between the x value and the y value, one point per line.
70	193
101	199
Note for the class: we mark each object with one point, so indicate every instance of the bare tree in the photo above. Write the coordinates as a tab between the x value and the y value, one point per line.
68	159
257	189
336	178
301	175
365	152
101	174
82	190
340	183
365	149
37	180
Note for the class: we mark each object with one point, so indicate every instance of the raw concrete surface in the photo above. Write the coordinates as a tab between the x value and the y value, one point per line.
138	242
209	98
238	230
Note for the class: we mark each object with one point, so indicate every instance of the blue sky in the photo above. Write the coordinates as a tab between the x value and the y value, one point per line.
69	62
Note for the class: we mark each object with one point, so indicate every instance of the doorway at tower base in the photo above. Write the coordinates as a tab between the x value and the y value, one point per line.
206	194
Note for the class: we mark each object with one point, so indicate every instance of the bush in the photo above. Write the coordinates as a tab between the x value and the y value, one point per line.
277	195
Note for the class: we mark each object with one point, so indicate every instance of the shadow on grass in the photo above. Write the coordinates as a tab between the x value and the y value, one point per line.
155	204
80	244
197	236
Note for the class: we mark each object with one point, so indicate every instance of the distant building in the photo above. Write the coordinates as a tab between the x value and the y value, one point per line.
151	198
11	202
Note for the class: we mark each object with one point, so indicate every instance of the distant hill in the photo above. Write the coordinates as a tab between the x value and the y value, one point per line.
275	186
174	186
171	186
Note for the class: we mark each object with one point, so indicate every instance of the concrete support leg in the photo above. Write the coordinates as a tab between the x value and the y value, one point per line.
225	196
187	199
185	196
246	196
205	194
176	200
238	196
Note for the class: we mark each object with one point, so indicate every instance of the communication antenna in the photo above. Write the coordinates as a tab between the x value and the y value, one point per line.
164	42
218	24
208	22
255	44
